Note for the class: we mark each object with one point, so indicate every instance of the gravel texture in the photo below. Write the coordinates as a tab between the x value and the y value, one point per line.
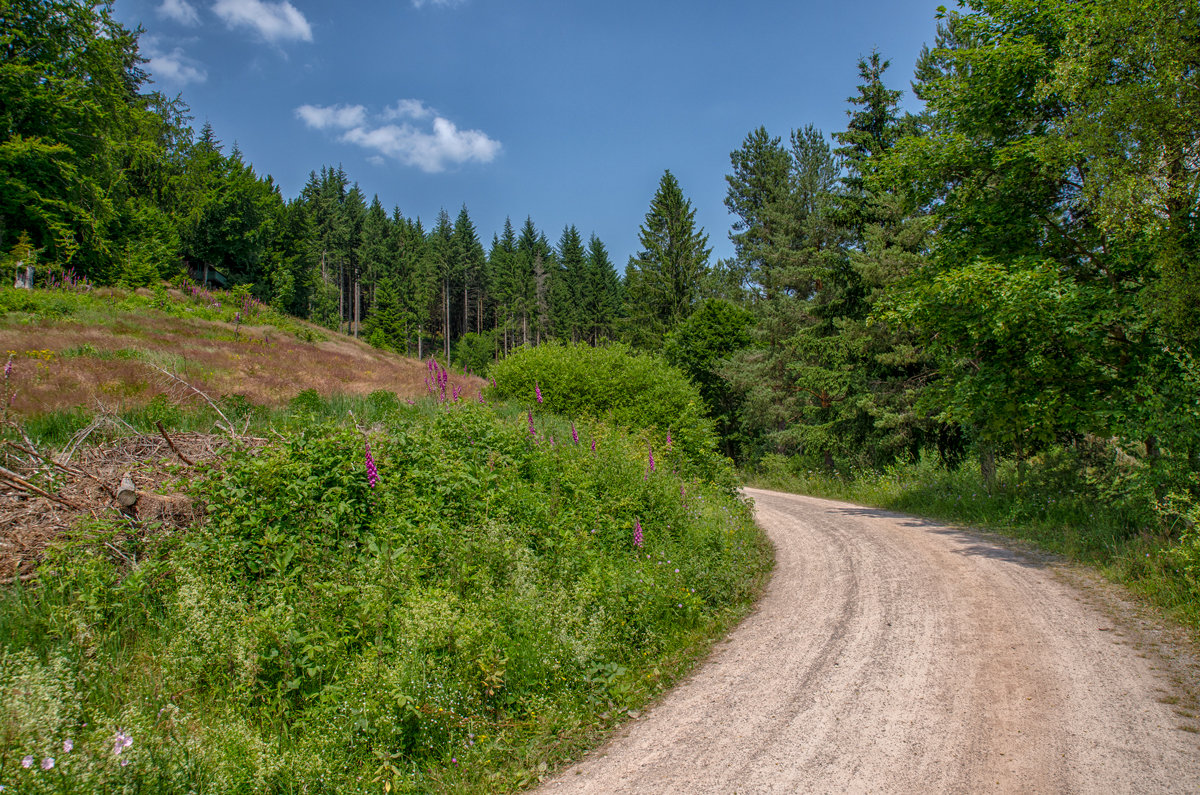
894	654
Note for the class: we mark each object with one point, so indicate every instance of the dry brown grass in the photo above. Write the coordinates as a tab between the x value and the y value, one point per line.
267	366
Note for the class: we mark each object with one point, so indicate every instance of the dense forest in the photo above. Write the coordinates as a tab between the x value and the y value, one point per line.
1009	271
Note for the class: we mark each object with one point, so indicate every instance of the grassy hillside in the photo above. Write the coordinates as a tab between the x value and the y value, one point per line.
100	349
360	583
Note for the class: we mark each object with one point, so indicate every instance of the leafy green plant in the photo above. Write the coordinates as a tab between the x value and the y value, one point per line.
637	391
482	603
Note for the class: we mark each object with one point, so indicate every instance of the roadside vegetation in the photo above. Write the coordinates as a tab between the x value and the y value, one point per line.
380	593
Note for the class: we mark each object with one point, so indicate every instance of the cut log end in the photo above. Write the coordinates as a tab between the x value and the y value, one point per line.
127	493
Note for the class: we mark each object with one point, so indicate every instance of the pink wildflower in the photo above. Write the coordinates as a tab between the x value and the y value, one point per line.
532	430
537	392
574	434
372	473
637	533
651	449
47	763
668	438
27	761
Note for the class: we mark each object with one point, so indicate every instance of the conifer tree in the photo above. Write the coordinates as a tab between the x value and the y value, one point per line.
664	278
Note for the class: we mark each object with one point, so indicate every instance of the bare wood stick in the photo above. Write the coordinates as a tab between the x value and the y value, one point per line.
119	552
78	439
68	469
232	431
175	449
22	483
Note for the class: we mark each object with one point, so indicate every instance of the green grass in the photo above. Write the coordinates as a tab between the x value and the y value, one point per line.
472	621
1047	505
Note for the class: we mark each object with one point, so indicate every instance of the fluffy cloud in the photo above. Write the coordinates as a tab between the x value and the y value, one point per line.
425	140
181	11
337	116
171	67
275	22
407	109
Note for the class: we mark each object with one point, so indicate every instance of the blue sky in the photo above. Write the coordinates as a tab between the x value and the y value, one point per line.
566	112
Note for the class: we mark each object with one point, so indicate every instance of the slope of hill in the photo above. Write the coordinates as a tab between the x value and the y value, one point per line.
101	349
345	571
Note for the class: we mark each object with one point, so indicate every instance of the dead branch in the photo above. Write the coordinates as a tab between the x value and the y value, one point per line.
21	483
67	469
174	449
232	431
80	436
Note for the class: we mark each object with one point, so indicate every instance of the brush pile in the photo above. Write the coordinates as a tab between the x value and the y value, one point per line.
44	494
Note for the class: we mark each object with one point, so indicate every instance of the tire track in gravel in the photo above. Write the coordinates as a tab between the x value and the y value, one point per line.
894	654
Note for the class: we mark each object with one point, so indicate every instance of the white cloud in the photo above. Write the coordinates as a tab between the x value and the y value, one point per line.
431	147
171	67
275	22
444	3
407	109
181	11
339	116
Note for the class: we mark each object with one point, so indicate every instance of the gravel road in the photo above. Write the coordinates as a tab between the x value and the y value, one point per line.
893	654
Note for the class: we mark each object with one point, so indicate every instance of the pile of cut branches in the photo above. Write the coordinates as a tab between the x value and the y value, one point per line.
46	493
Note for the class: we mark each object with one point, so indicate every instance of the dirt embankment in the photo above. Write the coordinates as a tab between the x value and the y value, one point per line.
892	654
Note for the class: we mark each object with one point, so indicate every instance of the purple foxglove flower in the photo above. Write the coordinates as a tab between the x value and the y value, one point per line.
537	391
668	438
651	449
637	533
574	434
8	367
372	473
532	430
481	400
593	444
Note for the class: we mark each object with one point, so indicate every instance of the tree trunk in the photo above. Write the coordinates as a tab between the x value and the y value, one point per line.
987	466
357	305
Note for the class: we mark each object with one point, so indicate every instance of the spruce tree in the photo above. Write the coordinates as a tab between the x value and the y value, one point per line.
664	278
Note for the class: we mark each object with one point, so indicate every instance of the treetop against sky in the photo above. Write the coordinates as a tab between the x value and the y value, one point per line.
565	112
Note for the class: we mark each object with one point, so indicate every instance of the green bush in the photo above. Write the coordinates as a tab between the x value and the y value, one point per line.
614	383
482	605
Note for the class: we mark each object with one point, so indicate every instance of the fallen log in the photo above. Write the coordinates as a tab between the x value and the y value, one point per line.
127	493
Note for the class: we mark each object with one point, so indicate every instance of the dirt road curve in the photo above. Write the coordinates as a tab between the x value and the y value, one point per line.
890	654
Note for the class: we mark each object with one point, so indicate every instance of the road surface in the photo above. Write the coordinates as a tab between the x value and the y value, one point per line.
894	654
